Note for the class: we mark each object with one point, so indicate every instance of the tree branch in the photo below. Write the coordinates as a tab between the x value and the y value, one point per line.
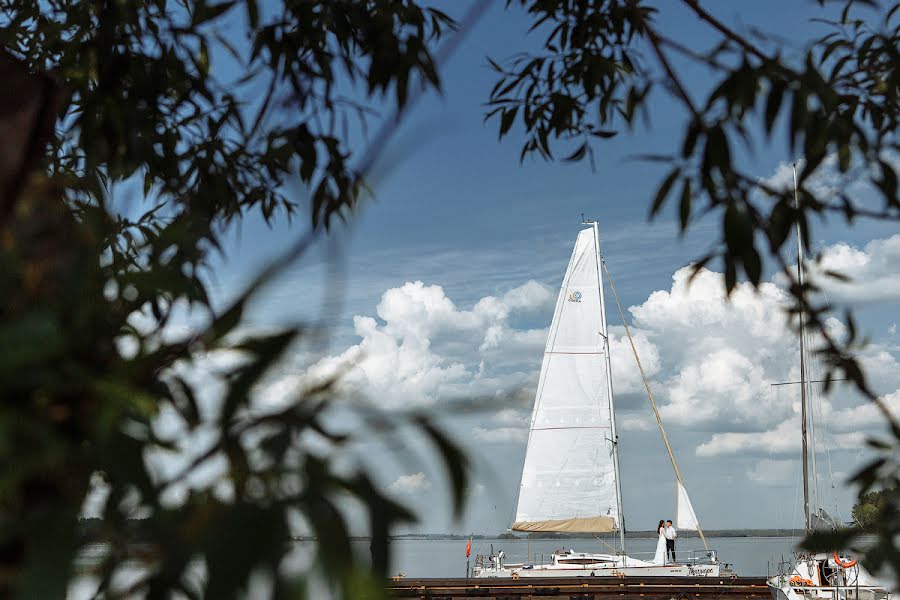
655	44
728	33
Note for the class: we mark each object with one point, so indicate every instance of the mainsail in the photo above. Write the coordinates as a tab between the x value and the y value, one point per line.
569	479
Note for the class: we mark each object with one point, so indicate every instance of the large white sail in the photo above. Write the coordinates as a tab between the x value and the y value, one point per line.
569	476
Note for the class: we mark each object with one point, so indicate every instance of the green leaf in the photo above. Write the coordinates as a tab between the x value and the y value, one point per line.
730	273
507	119
779	227
30	339
684	206
578	154
206	12
252	13
690	138
752	264
773	103
663	191
148	182
455	462
203	60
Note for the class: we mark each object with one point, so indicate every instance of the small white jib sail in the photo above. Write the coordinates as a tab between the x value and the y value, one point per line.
685	517
570	475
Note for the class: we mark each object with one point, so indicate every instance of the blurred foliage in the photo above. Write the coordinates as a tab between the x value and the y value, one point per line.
869	506
209	109
204	112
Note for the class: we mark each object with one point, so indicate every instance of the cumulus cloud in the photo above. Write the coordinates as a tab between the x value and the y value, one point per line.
774	472
721	354
865	416
410	484
423	347
782	440
500	434
711	360
631	421
872	271
827	180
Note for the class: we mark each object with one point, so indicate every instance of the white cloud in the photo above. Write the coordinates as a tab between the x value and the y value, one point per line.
872	271
500	434
631	421
711	360
719	356
511	417
774	473
423	348
864	416
410	484
781	440
827	180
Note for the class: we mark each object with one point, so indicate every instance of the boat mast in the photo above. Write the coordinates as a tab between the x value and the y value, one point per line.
609	389
803	400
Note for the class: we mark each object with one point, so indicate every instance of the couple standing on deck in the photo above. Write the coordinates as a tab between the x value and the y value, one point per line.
665	545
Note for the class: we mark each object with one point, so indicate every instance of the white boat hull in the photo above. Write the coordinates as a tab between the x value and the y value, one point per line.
594	565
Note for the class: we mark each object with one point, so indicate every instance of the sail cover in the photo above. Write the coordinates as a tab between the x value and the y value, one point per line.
569	477
685	518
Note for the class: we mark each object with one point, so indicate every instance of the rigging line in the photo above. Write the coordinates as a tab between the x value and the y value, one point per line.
810	381
814	397
650	395
605	543
483	535
825	443
811	400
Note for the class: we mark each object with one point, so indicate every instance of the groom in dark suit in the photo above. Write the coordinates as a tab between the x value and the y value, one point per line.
670	534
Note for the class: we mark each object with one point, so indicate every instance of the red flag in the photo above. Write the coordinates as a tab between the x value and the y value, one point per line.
468	548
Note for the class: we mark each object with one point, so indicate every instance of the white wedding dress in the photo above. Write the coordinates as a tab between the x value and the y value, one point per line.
659	558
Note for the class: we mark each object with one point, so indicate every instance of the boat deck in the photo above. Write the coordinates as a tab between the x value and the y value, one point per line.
583	588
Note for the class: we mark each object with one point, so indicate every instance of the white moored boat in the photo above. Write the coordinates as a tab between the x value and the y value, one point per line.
570	478
826	577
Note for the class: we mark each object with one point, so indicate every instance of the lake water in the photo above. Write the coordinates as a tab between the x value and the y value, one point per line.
750	556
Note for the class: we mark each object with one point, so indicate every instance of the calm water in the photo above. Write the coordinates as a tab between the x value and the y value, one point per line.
447	558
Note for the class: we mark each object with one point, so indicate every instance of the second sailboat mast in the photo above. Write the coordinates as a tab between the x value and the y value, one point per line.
803	399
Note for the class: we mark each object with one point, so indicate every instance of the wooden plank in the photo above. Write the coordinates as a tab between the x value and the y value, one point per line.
597	588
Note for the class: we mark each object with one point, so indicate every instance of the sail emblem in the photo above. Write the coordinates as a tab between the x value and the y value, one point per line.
575	296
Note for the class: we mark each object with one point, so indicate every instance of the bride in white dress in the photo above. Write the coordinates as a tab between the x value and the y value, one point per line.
659	558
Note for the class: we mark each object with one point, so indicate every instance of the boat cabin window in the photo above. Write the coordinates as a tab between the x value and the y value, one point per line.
581	561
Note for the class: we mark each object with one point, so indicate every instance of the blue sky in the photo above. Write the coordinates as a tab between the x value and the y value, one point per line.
453	208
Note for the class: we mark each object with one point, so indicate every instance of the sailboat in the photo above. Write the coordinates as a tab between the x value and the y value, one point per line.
810	576
570	478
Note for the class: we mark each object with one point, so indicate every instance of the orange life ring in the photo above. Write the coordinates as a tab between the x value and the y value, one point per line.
838	560
797	580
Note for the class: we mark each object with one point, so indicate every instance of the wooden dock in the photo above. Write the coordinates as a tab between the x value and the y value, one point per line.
583	588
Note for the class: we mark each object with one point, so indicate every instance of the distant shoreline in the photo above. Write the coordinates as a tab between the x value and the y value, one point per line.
711	533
